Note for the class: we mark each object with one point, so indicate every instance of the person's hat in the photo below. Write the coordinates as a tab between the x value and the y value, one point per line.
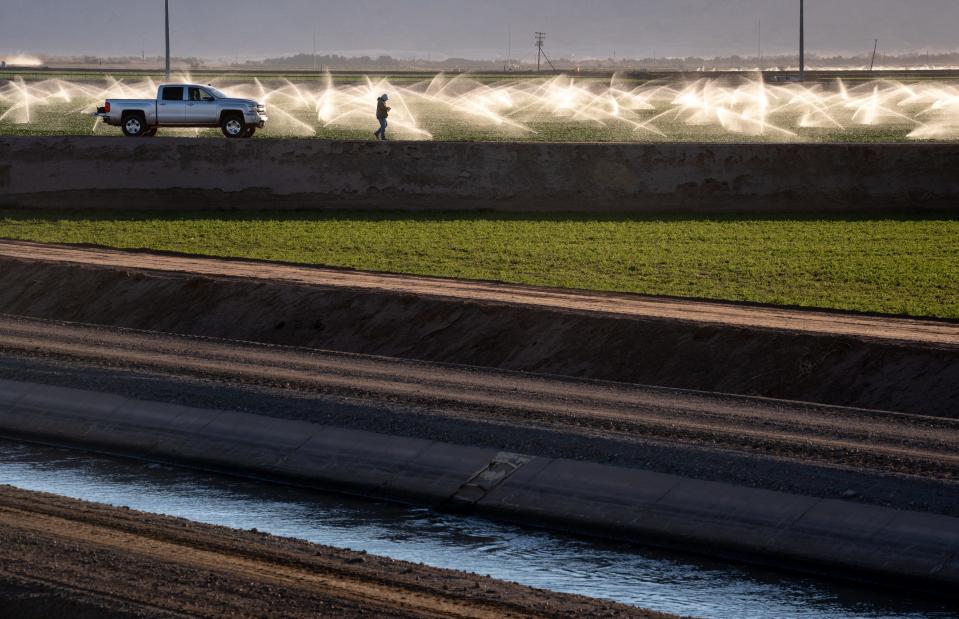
385	97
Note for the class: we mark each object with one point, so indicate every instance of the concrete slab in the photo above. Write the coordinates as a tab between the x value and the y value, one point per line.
265	441
340	458
11	392
918	537
58	413
581	492
188	440
435	474
924	546
734	516
137	425
88	405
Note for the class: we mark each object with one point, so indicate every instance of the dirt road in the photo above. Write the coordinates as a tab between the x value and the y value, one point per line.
895	329
61	557
866	440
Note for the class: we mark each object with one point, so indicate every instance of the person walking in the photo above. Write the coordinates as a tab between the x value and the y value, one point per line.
382	113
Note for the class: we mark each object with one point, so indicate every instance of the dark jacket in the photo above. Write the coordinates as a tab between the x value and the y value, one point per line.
381	110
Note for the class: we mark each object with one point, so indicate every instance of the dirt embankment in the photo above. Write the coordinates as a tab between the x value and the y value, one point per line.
866	440
61	557
167	173
887	364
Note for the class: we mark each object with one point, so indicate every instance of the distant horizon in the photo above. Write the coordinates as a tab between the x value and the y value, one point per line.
440	29
27	60
435	58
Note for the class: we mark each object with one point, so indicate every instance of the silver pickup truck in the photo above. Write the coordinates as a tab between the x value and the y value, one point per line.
185	105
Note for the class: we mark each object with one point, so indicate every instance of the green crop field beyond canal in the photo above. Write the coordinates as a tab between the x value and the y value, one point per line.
895	265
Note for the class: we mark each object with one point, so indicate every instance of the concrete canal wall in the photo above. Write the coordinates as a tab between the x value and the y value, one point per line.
862	541
176	174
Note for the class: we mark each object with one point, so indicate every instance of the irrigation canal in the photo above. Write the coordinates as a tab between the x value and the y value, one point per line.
662	581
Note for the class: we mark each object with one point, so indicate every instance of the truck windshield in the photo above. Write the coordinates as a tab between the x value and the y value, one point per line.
216	93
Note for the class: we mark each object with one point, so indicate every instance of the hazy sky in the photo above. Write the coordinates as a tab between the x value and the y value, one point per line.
473	28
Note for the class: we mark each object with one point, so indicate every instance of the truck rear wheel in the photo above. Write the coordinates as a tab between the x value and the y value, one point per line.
233	126
134	125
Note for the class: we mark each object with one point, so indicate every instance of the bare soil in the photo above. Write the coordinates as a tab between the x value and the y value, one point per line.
61	557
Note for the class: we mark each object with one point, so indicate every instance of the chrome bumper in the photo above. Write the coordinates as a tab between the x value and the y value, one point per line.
255	119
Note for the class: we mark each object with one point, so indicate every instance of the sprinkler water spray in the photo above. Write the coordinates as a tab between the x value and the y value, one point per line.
712	108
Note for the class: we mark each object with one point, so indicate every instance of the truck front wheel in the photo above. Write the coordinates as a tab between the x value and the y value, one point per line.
233	126
133	125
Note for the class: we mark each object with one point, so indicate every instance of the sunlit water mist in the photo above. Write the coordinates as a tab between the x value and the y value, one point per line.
560	108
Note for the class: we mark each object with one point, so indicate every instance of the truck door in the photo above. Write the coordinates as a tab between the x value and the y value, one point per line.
201	107
171	108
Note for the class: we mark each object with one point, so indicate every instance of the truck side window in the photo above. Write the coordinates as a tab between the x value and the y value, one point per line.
198	94
173	93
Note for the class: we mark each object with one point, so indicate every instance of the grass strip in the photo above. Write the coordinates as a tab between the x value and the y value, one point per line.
892	265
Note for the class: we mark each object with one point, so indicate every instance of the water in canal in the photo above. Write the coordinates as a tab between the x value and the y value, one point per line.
662	581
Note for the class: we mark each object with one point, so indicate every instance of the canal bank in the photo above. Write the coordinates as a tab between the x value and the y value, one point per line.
870	362
62	557
174	173
862	542
667	582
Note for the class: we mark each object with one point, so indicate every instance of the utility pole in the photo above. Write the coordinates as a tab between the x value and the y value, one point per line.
875	48
314	48
802	40
509	49
540	39
759	43
540	52
166	4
